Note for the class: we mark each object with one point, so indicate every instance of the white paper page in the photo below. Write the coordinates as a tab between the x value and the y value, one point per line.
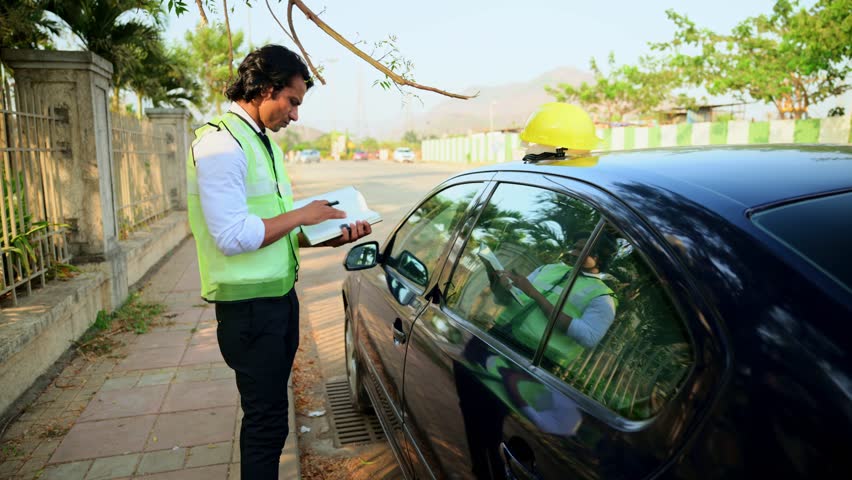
350	201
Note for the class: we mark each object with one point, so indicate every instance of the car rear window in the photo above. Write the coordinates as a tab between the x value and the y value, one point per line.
818	230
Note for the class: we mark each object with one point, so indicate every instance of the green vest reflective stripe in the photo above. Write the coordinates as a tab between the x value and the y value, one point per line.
528	321
269	271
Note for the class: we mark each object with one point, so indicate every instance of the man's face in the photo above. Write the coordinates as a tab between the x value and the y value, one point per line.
278	109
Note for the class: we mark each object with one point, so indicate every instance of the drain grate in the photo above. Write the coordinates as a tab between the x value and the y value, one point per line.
350	427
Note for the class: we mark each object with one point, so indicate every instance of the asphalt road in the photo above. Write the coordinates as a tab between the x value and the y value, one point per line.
391	189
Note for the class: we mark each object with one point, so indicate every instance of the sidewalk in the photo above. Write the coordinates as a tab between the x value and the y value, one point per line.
165	407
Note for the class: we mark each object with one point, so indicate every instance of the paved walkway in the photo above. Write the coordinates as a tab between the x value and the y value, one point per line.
165	406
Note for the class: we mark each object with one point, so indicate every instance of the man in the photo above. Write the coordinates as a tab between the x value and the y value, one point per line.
587	314
247	235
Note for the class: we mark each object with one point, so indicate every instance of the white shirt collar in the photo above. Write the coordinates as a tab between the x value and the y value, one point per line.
237	109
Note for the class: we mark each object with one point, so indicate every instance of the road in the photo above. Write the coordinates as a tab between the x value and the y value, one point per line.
392	189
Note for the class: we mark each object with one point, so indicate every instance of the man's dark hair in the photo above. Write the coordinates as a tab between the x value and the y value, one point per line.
268	66
604	249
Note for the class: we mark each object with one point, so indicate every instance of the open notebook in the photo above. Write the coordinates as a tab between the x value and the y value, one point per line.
351	202
493	265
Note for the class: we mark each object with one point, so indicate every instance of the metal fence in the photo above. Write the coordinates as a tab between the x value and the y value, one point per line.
138	155
34	245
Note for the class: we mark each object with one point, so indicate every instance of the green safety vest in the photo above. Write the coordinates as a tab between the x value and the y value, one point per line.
269	271
528	322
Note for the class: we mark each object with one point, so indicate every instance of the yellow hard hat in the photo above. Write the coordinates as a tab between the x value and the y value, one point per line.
578	161
561	125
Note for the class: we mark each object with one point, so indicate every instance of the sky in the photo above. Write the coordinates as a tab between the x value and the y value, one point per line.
462	44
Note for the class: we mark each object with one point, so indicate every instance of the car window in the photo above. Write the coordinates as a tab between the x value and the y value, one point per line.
519	240
818	230
618	338
420	241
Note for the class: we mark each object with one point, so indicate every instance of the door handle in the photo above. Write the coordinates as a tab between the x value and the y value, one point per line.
516	469
399	336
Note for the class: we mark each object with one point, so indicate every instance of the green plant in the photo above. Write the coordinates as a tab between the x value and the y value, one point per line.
133	316
10	449
62	271
23	243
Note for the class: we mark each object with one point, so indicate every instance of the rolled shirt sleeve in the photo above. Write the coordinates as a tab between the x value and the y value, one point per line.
591	327
221	170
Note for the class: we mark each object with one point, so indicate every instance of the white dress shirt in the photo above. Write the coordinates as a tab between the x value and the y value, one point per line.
221	170
590	327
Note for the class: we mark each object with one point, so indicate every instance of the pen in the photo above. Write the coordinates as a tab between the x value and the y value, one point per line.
332	203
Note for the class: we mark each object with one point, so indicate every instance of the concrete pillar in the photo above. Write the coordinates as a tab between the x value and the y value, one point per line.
173	123
76	85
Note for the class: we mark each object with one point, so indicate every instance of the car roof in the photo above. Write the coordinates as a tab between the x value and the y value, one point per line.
740	176
697	199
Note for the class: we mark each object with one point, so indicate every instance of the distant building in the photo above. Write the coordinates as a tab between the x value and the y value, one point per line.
701	113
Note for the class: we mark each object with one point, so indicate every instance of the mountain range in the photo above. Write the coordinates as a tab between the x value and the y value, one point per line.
502	107
508	106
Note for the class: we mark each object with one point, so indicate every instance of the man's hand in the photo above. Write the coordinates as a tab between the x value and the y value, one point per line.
350	233
319	211
508	279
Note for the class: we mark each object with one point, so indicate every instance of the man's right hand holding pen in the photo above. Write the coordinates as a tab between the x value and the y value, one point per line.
319	211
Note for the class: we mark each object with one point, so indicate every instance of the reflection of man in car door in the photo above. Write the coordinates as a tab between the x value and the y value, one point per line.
585	318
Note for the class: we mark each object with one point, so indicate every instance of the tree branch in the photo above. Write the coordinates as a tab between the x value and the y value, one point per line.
299	44
201	11
399	80
271	12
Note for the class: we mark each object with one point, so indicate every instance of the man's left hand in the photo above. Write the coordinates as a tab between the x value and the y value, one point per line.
350	233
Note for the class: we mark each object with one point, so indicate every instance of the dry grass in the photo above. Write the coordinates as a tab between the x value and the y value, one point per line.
134	316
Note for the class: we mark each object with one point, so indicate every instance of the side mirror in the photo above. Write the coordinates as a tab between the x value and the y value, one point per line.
412	268
362	256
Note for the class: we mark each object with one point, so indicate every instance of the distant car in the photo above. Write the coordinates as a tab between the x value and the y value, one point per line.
309	156
666	313
403	154
359	155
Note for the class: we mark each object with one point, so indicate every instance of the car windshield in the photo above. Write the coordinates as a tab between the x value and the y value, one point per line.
403	150
818	230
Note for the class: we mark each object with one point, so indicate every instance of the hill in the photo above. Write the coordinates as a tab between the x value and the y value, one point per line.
508	106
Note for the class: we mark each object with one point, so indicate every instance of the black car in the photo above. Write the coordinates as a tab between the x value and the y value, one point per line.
676	313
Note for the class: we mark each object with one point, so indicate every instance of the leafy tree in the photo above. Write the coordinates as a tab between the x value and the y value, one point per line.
792	57
323	143
625	89
164	77
124	32
410	137
289	140
370	144
24	25
177	84
209	61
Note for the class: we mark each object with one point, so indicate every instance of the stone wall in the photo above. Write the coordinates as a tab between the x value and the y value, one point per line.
497	147
42	326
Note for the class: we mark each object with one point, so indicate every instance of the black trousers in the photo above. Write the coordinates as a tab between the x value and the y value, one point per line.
258	339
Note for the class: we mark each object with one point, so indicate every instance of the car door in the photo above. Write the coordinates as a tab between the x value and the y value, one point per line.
391	295
496	388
